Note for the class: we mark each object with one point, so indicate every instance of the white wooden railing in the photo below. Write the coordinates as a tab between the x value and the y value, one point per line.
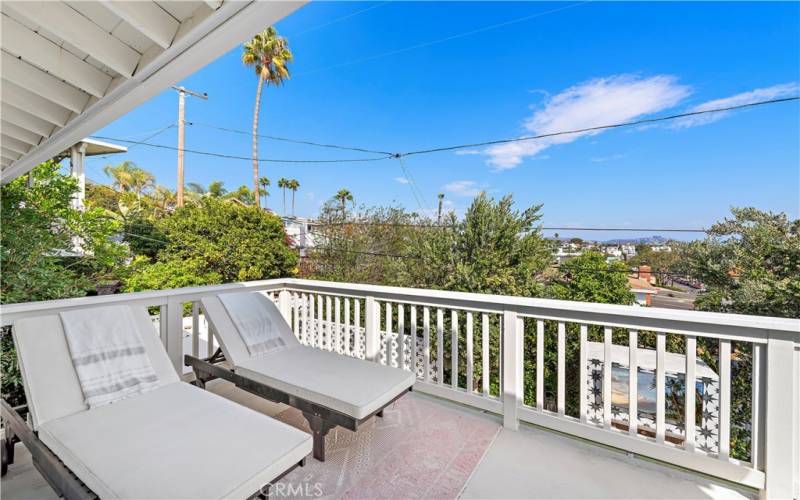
495	353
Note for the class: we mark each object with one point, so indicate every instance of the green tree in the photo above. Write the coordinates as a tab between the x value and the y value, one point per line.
130	178
589	278
173	272
234	242
344	195
264	183
750	264
43	236
268	53
294	185
283	183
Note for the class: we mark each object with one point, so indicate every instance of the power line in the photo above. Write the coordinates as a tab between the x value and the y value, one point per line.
440	40
338	19
545	228
462	146
235	157
294	141
600	127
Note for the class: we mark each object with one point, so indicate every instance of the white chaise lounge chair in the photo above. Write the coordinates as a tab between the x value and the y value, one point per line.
174	441
328	388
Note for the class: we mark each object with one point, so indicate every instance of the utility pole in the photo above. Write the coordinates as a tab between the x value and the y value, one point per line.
181	134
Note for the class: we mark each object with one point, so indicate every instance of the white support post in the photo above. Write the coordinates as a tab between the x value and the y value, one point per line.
172	332
372	341
78	171
781	386
512	369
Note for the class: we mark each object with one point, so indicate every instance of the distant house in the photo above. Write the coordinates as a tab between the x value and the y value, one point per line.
661	248
301	231
641	287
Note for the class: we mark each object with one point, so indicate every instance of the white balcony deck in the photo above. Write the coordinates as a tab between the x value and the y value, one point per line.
528	463
496	347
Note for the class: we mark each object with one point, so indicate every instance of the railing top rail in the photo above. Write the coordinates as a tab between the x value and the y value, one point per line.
9	312
544	308
533	304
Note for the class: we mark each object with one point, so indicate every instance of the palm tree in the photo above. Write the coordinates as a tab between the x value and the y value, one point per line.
344	195
263	182
164	199
120	175
439	217
216	189
130	178
283	183
294	184
268	53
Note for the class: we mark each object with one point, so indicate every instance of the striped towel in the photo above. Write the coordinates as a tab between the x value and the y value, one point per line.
252	315
108	354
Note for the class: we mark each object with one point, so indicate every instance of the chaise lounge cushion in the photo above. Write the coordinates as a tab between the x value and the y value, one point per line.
177	441
352	386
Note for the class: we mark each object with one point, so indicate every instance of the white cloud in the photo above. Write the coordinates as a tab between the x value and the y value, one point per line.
601	101
762	94
462	152
603	159
401	180
463	188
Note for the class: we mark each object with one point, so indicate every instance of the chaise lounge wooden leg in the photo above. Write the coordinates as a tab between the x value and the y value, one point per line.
319	429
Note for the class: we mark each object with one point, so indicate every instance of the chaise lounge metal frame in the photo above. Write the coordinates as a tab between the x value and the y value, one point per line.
321	419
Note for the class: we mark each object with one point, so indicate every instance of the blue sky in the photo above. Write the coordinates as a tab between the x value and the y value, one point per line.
400	76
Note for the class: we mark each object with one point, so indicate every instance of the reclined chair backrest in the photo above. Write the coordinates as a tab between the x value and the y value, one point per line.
51	383
228	335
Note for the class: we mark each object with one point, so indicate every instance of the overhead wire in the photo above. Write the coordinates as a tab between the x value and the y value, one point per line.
440	40
385	155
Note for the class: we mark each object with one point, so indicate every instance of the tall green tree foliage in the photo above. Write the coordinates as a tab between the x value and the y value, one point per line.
750	264
214	241
41	231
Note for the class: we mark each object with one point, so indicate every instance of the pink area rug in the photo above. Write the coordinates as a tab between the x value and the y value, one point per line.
419	449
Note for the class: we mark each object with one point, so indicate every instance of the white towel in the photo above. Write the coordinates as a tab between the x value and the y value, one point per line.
108	354
253	317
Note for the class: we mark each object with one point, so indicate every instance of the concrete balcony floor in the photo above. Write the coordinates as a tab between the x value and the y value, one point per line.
529	463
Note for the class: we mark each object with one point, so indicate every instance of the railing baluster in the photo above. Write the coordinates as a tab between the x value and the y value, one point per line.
328	323
633	382
320	324
296	315
661	396
540	364
389	337
426	343
401	337
485	353
347	327
470	361
454	349
413	361
196	329
337	325
562	342
607	366
758	420
439	346
372	334
689	391
304	318
724	399
357	324
583	370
